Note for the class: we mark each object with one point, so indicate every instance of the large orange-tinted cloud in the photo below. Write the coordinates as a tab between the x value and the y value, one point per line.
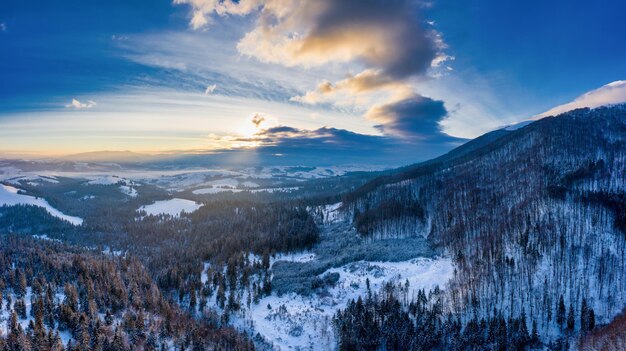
388	38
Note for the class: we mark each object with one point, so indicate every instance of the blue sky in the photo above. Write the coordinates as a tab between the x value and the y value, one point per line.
381	81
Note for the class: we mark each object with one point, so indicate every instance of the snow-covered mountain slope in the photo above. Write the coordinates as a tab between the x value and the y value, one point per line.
530	215
10	196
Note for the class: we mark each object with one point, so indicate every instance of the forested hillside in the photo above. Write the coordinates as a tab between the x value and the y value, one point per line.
57	297
534	219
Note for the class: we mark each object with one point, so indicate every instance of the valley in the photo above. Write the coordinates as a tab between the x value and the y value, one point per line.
515	238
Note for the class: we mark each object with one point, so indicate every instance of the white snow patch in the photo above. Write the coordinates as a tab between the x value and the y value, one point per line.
105	180
128	190
9	196
173	207
224	183
301	257
206	191
275	190
108	251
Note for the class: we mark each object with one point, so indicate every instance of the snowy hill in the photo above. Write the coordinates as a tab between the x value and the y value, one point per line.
530	215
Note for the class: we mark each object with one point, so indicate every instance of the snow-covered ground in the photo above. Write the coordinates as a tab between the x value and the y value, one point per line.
9	196
249	184
104	180
301	257
224	183
296	322
275	190
128	190
173	207
206	191
4	314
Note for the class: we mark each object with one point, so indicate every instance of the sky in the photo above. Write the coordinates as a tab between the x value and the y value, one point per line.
347	81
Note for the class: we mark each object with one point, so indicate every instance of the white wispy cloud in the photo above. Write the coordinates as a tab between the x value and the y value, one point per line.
79	105
3	27
210	89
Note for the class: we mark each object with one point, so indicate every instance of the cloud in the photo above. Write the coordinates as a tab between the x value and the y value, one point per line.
612	93
383	35
388	39
257	119
3	27
338	146
79	105
415	117
367	82
202	10
119	37
210	89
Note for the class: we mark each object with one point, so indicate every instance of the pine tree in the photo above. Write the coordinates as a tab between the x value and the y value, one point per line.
584	316
534	337
571	319
560	313
108	318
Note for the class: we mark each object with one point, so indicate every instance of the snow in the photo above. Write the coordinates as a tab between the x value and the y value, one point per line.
297	322
34	180
105	180
9	196
206	191
224	183
128	190
173	207
301	257
45	237
65	335
331	213
275	190
108	251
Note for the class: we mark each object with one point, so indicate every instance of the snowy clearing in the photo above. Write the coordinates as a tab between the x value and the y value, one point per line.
206	191
172	207
224	183
296	322
301	257
9	196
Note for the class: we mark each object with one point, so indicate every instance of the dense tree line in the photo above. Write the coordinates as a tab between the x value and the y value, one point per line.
102	303
384	322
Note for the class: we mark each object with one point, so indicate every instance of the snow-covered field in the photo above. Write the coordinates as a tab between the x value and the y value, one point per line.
296	322
104	180
206	191
173	207
9	196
